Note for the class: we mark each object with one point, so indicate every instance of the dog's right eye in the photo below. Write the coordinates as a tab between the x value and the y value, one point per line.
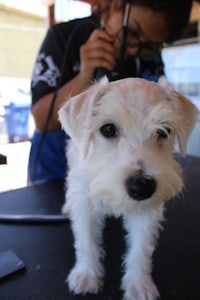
109	130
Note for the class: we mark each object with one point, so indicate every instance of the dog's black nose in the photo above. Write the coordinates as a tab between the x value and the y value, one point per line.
141	187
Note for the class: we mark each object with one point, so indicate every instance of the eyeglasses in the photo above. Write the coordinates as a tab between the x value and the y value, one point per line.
146	51
129	39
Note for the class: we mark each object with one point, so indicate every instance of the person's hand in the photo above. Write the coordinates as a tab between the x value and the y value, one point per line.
97	52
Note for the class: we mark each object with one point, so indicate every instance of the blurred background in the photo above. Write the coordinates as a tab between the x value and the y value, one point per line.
23	25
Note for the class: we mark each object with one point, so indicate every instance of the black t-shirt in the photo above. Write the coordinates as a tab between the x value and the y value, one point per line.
59	54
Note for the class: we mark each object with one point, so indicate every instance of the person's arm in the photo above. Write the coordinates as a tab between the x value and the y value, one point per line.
96	52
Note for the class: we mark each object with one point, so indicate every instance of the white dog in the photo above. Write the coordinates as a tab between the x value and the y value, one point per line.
120	159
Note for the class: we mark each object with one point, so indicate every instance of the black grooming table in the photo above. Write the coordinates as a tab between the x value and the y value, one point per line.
3	159
47	247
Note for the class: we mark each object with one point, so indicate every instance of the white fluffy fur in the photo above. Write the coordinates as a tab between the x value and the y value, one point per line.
99	167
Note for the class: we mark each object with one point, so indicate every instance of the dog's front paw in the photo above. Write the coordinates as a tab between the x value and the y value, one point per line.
139	289
83	281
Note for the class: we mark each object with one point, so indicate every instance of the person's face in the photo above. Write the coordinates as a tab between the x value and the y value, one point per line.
145	27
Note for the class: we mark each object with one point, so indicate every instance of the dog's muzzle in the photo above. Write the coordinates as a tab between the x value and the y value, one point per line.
140	187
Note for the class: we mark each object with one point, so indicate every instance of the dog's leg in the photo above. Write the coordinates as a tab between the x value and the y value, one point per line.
142	232
86	276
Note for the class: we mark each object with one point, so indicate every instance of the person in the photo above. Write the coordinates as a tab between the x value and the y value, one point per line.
120	39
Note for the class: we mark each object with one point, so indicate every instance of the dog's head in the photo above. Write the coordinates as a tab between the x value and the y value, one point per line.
76	114
129	127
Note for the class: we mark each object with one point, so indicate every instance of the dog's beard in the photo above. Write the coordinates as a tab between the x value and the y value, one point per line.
107	185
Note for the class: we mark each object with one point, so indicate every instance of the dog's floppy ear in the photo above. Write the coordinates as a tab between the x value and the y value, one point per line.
74	115
186	114
189	114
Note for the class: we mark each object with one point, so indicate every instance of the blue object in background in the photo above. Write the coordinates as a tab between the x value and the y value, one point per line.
17	120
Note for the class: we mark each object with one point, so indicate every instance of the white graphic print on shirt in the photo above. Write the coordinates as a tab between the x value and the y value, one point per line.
45	70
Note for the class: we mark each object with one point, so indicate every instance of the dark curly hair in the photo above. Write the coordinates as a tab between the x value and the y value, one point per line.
176	13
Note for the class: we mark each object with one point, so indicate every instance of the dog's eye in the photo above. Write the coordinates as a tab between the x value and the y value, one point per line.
163	133
109	130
